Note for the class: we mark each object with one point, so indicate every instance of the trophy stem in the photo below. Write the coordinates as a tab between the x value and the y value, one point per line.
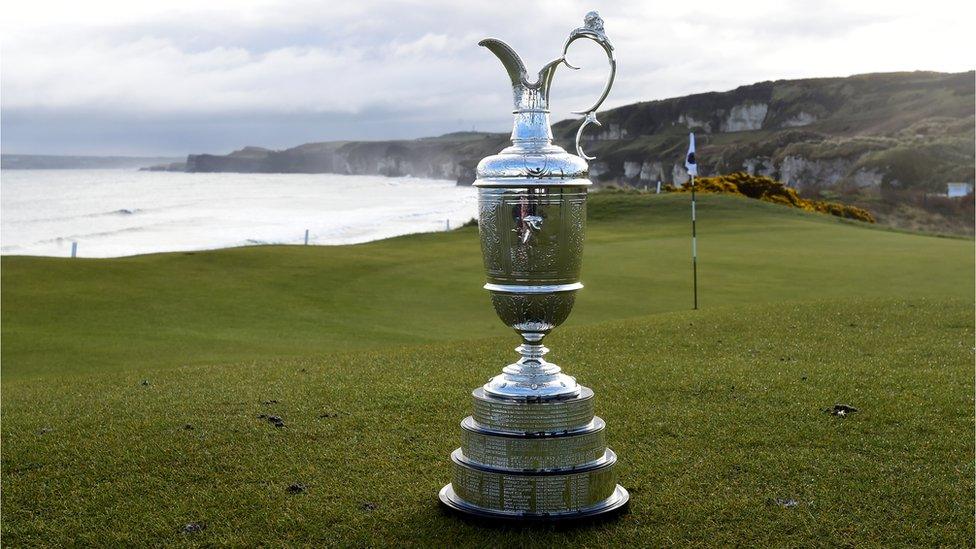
532	377
532	354
532	364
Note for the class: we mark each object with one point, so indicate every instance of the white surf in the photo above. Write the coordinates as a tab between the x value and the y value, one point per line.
114	213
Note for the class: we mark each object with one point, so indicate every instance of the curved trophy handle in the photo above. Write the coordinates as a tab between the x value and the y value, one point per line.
592	29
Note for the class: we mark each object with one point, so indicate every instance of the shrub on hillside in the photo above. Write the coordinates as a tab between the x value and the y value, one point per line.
769	190
842	210
711	185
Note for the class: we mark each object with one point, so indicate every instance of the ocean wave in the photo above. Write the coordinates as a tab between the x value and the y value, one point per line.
121	212
186	222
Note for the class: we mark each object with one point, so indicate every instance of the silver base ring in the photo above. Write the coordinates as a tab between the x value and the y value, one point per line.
617	502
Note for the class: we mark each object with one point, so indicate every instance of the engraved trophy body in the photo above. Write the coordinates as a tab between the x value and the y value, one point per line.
533	448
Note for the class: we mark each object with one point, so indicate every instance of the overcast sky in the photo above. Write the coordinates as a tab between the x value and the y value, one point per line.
174	77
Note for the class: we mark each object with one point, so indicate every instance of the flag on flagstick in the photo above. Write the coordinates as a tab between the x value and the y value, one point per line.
690	163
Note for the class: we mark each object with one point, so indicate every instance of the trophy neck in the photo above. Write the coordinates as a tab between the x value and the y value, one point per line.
532	129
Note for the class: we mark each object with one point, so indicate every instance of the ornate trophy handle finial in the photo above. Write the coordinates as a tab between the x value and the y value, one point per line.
592	29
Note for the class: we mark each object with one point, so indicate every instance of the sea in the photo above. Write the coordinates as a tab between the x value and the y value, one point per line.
116	213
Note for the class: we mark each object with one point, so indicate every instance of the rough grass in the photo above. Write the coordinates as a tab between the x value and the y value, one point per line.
716	414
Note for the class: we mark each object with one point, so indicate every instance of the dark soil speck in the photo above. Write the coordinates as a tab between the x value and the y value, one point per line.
274	420
296	488
840	410
193	527
368	506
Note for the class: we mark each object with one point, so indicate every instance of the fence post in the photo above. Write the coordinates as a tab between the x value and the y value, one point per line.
306	237
74	249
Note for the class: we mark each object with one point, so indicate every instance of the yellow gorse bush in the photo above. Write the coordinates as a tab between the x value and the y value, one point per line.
768	189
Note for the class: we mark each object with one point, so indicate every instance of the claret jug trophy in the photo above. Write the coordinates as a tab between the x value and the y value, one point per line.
532	448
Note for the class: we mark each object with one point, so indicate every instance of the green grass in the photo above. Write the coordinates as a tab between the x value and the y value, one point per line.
368	354
243	304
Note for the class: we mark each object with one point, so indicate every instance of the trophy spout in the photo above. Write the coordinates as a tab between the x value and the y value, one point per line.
527	96
510	60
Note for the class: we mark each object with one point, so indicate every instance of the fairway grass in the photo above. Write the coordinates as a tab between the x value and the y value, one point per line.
261	303
134	389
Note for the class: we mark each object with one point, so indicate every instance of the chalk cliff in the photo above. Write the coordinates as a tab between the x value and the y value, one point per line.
902	130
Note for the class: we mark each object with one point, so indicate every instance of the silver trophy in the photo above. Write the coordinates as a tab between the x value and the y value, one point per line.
533	448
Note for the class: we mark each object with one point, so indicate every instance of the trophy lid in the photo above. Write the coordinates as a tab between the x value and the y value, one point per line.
533	160
517	167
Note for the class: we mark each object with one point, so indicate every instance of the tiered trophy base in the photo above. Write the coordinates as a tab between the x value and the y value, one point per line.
534	460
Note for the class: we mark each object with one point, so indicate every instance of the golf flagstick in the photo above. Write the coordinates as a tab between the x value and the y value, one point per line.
692	167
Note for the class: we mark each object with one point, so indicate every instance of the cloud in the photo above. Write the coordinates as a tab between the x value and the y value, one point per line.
417	62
